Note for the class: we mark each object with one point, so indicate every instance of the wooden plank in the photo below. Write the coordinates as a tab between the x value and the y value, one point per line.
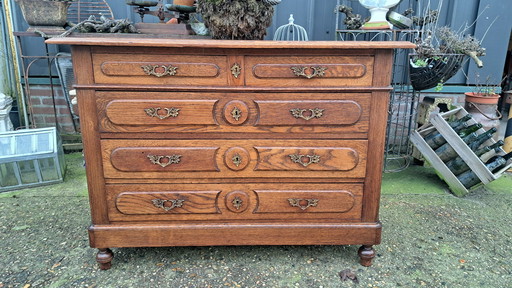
232	44
234	234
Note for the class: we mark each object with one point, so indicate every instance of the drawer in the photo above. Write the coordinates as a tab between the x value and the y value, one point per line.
159	69
233	112
291	201
233	158
309	71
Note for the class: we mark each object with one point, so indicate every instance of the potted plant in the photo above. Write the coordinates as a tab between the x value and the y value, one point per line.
45	15
433	64
237	19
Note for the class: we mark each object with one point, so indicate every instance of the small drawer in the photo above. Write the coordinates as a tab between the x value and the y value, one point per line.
210	159
250	201
160	69
309	71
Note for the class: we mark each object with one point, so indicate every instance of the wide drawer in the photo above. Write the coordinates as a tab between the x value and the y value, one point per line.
234	201
309	71
233	112
233	158
159	69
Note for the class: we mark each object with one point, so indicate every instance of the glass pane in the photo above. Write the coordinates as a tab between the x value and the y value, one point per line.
48	169
7	175
28	172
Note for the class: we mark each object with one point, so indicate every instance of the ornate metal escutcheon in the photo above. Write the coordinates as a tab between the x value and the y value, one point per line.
237	203
294	202
300	71
299	113
297	158
169	112
236	70
160	203
237	160
236	113
157	159
160	70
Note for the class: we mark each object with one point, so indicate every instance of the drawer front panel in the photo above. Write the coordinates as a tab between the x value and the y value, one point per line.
305	201
287	201
233	158
182	202
308	113
234	112
304	71
160	69
163	112
306	158
133	159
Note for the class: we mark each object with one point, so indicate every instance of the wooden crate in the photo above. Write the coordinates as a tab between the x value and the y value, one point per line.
439	123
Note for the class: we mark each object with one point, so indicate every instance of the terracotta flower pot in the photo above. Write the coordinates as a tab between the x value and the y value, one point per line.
480	98
184	2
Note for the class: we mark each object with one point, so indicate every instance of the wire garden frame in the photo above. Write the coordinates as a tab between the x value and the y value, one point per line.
404	100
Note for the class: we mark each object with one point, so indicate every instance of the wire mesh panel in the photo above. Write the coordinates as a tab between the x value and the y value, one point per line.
81	10
402	108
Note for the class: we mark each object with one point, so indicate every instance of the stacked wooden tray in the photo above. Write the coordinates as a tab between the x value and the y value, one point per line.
439	123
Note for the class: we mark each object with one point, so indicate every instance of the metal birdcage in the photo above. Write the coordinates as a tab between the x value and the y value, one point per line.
291	32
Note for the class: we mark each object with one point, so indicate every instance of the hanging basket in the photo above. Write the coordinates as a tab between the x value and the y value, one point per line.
439	68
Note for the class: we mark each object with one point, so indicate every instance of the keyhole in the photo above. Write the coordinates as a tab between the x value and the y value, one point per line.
236	113
237	160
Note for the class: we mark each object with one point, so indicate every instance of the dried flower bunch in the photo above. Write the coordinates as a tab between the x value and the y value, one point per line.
462	44
237	19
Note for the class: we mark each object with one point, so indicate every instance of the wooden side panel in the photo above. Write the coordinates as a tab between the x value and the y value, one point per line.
377	137
90	135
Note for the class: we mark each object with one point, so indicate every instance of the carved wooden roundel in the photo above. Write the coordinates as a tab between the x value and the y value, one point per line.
236	112
237	201
236	158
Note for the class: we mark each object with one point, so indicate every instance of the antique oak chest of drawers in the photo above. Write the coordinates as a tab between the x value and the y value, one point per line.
209	142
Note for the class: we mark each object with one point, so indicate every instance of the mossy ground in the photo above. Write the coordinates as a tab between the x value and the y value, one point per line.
430	239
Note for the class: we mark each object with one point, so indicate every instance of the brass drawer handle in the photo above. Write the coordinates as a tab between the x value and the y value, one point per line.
299	113
159	70
297	158
294	202
169	112
301	71
157	160
160	203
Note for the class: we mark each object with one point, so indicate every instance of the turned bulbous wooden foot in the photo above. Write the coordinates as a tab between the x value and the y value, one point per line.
366	254
104	258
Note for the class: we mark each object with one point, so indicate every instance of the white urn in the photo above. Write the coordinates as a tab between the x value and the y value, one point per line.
378	10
